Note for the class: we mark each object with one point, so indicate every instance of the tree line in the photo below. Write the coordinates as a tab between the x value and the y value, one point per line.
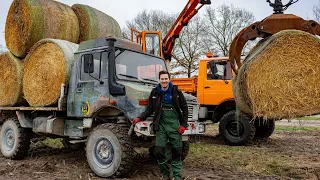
212	31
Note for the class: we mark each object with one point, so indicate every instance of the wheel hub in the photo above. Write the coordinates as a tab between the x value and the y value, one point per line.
9	139
104	153
235	128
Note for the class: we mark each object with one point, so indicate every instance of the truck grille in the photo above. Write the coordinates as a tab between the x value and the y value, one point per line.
190	111
192	101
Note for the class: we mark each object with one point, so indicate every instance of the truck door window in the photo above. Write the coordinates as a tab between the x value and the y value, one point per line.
153	44
209	72
228	73
97	64
216	70
220	70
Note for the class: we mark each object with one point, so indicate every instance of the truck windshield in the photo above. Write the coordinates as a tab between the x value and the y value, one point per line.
132	65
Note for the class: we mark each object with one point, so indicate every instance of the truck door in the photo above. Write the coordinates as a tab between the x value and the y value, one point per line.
217	84
92	82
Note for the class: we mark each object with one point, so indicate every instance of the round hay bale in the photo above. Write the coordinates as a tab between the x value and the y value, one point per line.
280	77
95	24
11	69
46	67
29	21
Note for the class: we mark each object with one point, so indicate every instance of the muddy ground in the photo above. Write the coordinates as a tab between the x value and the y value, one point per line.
302	146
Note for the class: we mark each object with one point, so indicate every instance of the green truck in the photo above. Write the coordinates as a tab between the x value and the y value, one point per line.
109	86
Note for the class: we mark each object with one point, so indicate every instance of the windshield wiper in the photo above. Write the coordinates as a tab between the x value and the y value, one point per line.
147	79
133	77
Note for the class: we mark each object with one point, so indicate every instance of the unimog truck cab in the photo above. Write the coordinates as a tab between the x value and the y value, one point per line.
109	86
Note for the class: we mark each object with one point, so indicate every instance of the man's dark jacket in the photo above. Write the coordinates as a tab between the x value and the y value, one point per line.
155	105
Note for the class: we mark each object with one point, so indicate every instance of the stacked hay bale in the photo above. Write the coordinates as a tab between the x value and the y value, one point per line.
46	67
95	24
29	21
280	77
10	80
29	24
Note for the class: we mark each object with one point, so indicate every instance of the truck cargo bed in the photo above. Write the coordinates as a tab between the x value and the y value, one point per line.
25	108
60	106
188	85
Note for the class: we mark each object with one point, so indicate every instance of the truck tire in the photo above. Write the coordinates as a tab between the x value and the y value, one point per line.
14	139
236	132
264	129
109	151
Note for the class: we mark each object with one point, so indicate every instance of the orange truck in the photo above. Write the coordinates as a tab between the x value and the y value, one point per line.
213	88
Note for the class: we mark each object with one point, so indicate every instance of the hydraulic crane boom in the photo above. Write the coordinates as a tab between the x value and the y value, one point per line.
151	41
185	16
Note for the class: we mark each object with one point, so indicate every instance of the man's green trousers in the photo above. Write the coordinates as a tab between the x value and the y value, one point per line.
168	135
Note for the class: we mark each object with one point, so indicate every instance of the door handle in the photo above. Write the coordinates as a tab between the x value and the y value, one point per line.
206	87
79	90
79	87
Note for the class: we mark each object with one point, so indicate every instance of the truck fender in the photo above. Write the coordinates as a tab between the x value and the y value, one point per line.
223	107
110	111
24	121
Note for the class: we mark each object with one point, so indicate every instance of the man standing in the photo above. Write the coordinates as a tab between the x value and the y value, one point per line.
169	123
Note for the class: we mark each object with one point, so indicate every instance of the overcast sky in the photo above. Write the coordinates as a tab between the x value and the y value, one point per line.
126	10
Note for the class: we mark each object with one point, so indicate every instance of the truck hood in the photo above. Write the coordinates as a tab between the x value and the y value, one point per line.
191	99
136	91
141	91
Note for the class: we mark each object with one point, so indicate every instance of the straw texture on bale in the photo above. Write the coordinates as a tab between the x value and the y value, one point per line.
46	67
29	21
95	24
280	78
11	69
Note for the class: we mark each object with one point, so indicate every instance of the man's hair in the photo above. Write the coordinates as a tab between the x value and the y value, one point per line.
164	72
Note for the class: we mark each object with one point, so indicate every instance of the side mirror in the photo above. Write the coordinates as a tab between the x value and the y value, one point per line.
88	63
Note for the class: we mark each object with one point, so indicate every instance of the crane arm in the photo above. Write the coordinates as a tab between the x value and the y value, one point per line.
185	16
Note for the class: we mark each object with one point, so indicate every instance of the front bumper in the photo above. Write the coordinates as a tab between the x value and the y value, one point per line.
194	128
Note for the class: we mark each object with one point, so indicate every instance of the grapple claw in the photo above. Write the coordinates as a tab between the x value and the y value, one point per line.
239	42
267	27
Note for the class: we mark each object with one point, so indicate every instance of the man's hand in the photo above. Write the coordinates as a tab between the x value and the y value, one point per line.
181	129
136	120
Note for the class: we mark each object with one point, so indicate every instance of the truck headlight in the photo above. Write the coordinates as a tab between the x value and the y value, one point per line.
195	112
202	128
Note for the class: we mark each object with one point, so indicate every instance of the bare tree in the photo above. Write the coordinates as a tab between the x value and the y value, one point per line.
316	12
223	24
150	20
188	48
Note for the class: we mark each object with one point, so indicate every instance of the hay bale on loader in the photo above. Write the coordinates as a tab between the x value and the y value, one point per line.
280	77
29	21
11	69
46	67
95	24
